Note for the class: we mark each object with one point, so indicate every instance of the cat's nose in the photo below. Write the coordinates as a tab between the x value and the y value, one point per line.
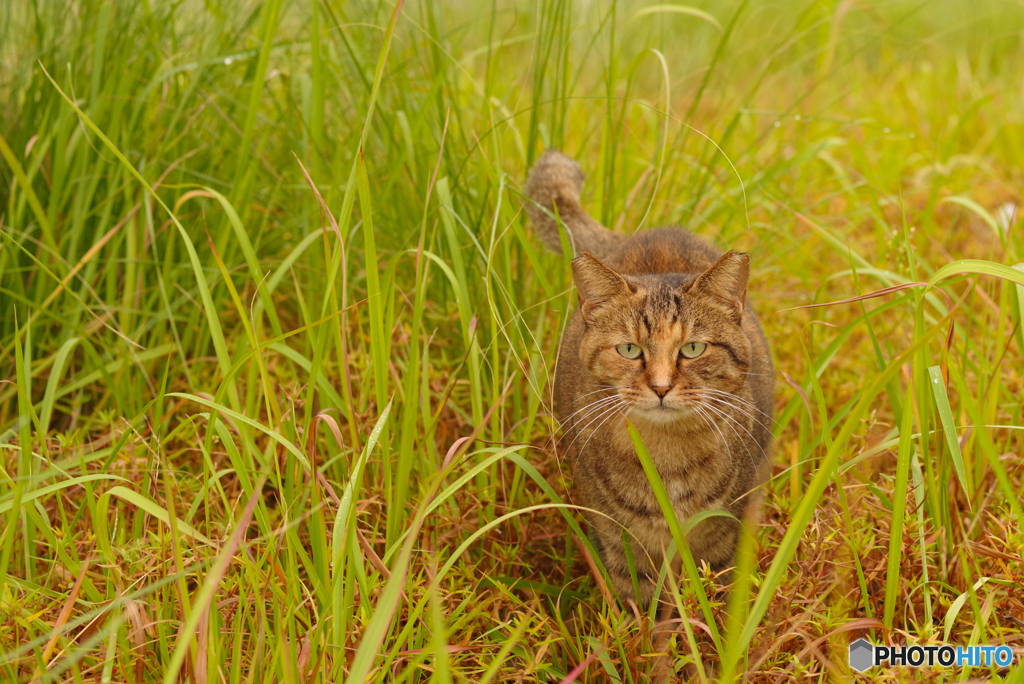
661	390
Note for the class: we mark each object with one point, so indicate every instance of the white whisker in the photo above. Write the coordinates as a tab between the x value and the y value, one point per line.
603	389
604	411
730	395
729	418
582	414
594	403
725	415
596	430
711	421
741	410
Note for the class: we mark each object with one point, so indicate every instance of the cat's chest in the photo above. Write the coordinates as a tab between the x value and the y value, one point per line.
674	453
694	471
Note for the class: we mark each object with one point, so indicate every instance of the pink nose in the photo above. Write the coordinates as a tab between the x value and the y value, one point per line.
661	390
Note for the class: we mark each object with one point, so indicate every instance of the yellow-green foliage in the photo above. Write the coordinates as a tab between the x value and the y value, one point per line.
276	341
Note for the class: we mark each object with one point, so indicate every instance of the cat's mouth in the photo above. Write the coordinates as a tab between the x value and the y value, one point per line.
677	405
664	413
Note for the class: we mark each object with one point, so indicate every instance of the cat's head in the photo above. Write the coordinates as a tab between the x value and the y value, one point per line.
668	344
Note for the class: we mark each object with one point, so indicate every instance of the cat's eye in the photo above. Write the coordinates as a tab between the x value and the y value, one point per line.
630	351
692	350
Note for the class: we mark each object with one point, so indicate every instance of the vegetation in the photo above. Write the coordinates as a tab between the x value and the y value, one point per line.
276	341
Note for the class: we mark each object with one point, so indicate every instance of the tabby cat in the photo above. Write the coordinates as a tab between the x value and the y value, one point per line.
663	336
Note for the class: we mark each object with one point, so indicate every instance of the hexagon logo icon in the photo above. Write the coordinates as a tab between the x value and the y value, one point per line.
862	655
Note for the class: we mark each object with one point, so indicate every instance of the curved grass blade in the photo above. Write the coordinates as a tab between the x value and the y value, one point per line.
8	502
679	9
26	186
56	371
219	345
949	428
247	249
234	415
812	495
694	586
146	504
210	586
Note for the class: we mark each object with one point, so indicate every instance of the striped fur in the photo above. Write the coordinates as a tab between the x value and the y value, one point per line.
708	435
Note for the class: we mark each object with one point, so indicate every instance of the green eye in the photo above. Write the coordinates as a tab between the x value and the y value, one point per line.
692	350
630	351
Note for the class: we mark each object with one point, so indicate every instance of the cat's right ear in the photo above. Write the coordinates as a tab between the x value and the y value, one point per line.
726	281
596	284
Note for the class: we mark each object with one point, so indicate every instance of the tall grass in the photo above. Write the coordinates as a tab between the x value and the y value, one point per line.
277	344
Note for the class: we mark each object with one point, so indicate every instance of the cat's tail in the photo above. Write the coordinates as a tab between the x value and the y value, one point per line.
554	185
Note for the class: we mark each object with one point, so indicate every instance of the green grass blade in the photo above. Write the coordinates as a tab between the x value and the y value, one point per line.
7	503
812	495
211	584
26	187
899	509
149	506
694	587
235	416
216	332
949	428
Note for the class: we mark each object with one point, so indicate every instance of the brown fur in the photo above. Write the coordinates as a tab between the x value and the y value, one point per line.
705	420
554	184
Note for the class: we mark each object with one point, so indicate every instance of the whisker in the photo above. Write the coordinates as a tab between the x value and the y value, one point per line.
593	401
584	412
723	393
729	424
604	410
713	424
596	430
604	420
740	410
742	401
603	389
725	415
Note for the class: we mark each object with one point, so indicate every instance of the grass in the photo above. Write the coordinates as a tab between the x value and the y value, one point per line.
276	341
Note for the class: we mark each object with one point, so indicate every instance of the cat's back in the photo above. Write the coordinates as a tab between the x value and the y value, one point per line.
669	249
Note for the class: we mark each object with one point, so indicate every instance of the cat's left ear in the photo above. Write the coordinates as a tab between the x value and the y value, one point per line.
596	284
726	280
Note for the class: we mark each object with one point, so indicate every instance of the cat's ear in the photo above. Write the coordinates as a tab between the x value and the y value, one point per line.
596	284
726	280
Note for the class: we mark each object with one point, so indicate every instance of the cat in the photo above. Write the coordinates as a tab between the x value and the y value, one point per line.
663	336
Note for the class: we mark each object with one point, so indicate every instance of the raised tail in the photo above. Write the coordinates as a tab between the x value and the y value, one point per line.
554	184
